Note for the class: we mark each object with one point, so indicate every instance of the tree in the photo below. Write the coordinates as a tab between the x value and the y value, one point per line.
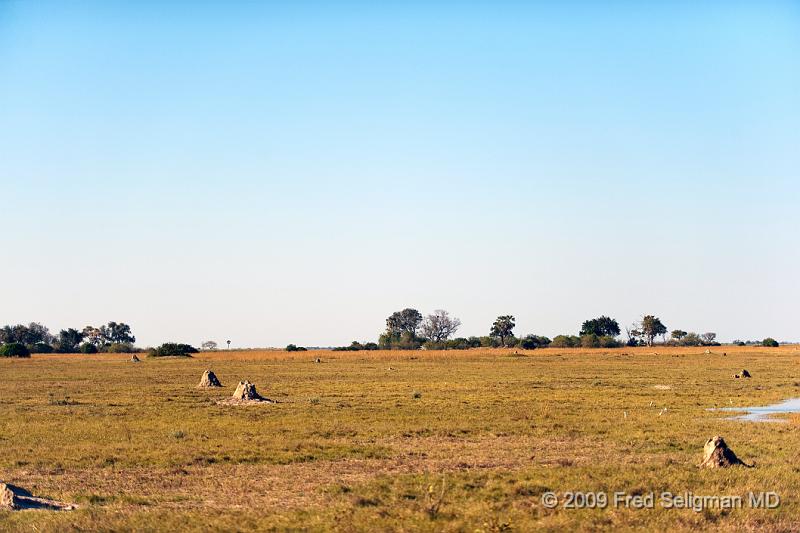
37	333
93	336
209	345
708	338
650	328
691	339
770	342
678	334
502	328
407	320
602	326
118	333
33	333
439	326
68	340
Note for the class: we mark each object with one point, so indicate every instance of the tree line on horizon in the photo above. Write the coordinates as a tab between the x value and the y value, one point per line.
114	337
409	330
405	330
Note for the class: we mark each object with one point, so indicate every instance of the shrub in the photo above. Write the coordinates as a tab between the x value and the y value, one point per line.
119	347
403	341
770	342
459	343
371	346
606	341
14	349
294	348
531	342
691	339
565	341
590	341
88	348
173	349
40	347
489	342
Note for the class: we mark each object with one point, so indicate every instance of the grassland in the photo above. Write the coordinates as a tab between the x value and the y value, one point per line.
412	441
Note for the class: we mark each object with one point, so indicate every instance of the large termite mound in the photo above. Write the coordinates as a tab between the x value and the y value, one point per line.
245	394
13	498
209	379
716	454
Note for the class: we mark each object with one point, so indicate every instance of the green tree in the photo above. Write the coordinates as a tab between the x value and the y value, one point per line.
650	328
93	336
691	339
601	326
678	334
770	342
68	340
502	328
407	320
118	333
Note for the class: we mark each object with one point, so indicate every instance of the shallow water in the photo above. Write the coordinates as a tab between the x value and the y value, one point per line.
764	414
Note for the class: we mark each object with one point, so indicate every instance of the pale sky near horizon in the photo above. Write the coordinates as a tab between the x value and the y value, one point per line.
294	172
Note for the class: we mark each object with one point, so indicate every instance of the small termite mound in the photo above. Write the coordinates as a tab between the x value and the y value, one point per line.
246	394
716	454
13	498
209	379
134	359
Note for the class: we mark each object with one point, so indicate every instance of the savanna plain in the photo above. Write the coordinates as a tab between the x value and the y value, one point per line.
395	441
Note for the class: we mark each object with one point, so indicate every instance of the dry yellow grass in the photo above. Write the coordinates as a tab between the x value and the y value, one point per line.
432	441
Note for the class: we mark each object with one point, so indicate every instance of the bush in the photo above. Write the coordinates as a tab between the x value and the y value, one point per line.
14	349
770	342
531	342
371	346
119	347
88	348
606	341
40	347
691	339
403	341
565	341
293	348
489	342
172	349
590	341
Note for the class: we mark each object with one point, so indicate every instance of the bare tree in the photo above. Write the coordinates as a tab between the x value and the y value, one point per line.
439	326
209	345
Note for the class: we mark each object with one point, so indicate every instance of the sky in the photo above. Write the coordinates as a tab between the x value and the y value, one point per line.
294	172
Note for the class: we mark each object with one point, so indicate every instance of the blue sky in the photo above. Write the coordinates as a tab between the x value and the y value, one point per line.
295	172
